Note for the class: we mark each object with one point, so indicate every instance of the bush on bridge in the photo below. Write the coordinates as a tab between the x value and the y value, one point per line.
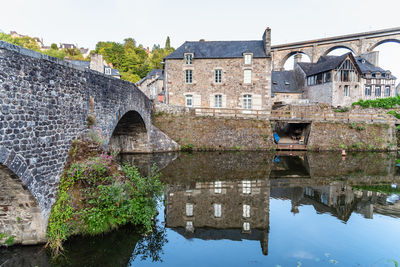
96	195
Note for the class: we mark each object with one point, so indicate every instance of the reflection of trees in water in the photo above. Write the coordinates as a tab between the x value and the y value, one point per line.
151	246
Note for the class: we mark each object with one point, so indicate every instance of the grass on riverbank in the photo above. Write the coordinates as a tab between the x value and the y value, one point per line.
96	195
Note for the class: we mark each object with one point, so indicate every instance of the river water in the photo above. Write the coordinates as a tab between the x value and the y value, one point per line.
254	209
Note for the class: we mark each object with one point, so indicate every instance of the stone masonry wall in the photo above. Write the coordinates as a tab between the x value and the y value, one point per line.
44	105
232	87
352	136
210	133
20	215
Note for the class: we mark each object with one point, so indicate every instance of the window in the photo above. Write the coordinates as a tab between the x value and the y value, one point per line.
327	77
346	90
218	187
246	187
247	101
246	211
218	101
246	226
378	91
108	71
309	191
247	59
247	76
189	59
189	76
217	210
189	209
324	198
218	76
189	100
387	91
367	90
189	226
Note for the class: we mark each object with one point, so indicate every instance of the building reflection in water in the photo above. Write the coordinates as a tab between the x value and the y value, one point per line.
238	209
234	210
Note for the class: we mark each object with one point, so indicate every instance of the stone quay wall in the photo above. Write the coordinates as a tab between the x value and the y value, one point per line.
210	133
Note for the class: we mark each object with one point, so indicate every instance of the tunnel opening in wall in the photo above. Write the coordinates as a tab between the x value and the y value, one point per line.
21	220
291	136
130	135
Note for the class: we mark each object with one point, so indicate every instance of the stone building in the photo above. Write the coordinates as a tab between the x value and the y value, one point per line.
335	80
220	74
286	87
97	63
153	85
342	80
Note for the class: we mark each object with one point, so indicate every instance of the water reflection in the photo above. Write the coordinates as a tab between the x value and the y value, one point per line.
237	209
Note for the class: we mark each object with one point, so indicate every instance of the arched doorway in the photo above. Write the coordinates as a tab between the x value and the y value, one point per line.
130	135
21	220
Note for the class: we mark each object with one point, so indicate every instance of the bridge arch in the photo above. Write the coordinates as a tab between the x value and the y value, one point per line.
335	47
390	40
289	55
21	217
131	133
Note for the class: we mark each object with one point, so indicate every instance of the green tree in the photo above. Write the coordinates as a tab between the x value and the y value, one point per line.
54	46
168	43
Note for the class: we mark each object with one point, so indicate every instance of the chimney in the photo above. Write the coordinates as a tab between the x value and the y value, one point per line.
267	41
297	59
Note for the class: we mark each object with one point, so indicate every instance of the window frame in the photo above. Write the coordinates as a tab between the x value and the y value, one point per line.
380	91
367	89
189	59
189	76
247	79
189	97
218	76
347	90
248	59
247	101
217	101
387	91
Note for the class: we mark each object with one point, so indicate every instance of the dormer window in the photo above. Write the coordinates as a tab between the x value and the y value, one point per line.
188	59
247	59
107	71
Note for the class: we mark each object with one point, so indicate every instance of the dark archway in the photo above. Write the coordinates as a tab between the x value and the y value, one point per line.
290	58
130	135
21	220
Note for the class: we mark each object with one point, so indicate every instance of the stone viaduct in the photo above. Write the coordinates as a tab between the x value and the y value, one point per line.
358	43
44	106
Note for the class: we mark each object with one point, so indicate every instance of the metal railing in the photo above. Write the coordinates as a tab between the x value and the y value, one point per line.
233	112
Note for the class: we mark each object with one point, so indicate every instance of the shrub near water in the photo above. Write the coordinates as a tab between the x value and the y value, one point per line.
96	196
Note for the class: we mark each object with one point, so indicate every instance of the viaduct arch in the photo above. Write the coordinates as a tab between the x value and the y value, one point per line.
359	43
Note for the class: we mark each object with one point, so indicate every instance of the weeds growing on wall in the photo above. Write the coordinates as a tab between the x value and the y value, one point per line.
96	195
386	103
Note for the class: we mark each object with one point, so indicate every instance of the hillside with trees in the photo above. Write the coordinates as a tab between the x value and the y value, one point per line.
132	60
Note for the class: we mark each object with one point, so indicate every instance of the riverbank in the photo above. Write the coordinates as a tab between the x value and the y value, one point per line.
211	133
96	195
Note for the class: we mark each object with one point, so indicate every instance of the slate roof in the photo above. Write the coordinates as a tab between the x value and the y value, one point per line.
153	72
284	82
325	63
366	67
219	49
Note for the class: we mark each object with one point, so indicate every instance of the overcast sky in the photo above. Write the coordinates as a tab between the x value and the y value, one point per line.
86	22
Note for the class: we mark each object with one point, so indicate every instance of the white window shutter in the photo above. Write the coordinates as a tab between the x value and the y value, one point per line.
257	102
196	101
212	101
224	101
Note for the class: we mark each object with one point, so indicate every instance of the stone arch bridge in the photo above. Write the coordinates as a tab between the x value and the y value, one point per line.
44	106
358	43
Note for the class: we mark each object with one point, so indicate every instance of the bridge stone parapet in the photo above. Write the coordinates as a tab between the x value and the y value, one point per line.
44	105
